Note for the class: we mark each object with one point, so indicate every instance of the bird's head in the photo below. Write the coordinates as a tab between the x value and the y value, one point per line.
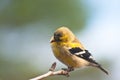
62	34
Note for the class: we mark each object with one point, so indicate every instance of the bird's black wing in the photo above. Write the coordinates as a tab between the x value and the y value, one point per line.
82	54
85	54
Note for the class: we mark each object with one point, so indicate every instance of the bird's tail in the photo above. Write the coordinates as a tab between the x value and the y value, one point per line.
101	68
95	64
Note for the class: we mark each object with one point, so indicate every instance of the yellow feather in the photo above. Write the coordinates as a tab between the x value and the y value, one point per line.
60	48
64	40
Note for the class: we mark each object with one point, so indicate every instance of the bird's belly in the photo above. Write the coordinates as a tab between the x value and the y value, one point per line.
70	60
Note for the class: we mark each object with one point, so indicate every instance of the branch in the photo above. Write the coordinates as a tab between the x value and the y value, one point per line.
51	72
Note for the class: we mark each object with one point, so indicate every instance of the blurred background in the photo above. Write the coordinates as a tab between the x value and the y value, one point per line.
26	27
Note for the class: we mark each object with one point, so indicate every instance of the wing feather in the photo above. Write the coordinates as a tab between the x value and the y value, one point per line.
82	54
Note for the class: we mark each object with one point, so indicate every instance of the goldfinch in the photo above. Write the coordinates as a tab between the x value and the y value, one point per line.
67	49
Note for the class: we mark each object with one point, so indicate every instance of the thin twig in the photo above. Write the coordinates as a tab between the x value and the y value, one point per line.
51	72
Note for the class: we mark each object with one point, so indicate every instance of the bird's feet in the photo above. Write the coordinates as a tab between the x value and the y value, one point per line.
69	69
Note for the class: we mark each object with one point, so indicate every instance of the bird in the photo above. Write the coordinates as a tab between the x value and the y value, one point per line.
70	51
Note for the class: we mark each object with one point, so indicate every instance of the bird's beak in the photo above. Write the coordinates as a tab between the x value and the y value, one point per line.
52	40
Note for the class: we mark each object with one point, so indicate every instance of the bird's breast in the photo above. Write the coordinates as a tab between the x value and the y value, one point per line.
67	58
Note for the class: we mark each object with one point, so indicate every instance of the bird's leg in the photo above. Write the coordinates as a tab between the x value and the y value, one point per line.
69	69
65	69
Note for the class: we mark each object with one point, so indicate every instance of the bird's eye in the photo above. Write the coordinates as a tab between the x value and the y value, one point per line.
58	35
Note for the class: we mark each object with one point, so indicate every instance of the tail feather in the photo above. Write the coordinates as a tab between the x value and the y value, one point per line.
102	69
95	64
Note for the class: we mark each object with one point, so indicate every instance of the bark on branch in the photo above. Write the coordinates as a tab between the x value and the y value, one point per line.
52	72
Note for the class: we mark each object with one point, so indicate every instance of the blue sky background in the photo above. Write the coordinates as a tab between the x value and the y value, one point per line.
102	35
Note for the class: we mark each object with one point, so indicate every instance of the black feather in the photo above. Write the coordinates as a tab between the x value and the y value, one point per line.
82	54
75	50
85	54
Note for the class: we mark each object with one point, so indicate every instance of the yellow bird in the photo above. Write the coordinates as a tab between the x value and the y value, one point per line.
67	49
